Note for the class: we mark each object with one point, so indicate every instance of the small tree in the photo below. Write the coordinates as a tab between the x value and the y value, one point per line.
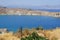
39	28
34	36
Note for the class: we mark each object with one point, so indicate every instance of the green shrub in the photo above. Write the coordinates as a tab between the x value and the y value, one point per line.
34	36
39	28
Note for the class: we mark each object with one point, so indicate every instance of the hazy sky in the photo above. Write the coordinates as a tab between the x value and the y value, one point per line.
29	2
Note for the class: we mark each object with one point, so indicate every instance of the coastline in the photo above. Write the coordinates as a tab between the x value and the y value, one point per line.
19	11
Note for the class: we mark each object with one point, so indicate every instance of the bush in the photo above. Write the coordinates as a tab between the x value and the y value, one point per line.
39	28
34	36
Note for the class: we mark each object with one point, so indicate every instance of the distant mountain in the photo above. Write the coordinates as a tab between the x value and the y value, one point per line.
55	8
3	7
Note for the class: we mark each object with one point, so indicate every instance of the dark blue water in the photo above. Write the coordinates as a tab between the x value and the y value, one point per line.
12	23
50	10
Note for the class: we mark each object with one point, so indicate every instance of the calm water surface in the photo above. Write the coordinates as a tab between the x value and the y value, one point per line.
14	22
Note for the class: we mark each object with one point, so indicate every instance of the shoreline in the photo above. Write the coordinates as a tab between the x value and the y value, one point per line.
28	15
19	11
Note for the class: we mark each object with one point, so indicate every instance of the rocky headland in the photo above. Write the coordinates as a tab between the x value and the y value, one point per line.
20	11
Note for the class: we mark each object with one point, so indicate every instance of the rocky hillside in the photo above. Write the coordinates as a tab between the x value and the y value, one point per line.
20	11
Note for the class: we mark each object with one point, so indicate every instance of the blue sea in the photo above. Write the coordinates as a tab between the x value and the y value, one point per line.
12	23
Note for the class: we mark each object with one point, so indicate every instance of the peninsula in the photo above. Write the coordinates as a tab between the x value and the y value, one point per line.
20	11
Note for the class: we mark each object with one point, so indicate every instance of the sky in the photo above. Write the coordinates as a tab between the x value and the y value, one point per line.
38	3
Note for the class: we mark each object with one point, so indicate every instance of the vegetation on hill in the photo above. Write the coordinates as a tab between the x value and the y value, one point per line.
34	36
31	34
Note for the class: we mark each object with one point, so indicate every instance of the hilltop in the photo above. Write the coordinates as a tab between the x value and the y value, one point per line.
30	34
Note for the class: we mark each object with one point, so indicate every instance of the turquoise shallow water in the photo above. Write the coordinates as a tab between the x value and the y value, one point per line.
12	23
